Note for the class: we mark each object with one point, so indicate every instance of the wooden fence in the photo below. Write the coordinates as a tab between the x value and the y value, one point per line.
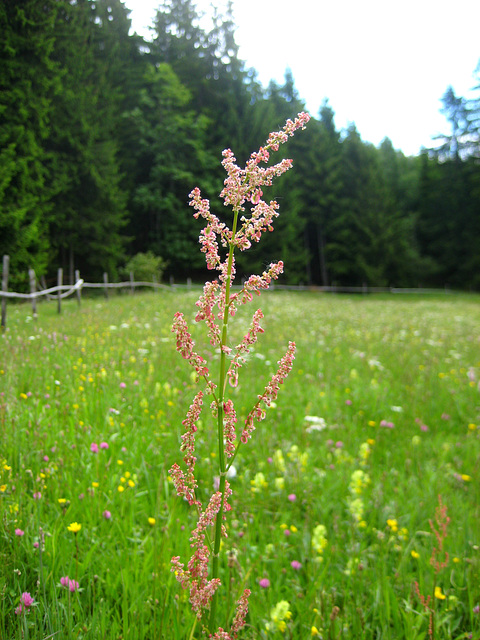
61	290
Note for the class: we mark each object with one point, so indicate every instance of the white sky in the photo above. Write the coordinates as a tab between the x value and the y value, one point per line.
383	64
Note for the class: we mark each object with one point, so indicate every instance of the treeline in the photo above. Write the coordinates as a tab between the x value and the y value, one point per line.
103	136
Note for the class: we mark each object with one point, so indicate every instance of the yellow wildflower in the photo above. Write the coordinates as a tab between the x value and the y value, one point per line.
393	524
414	554
74	527
439	594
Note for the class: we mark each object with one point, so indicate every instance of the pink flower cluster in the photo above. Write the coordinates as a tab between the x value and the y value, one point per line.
26	601
238	621
270	393
68	583
243	188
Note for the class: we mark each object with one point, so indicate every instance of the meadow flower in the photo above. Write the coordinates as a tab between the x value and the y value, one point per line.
356	508
264	583
279	461
392	524
68	583
74	527
292	497
438	593
37	495
19	533
104	445
358	482
387	424
106	514
295	564
151	521
26	601
94	447
259	482
315	424
319	540
278	615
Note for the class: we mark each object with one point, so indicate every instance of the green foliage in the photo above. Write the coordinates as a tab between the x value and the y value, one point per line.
103	136
109	373
145	267
28	83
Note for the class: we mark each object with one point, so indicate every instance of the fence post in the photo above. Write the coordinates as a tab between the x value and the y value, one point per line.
132	286
105	282
59	293
77	278
33	289
6	260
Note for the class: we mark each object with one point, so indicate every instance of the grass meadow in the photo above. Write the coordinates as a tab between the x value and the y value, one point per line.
356	505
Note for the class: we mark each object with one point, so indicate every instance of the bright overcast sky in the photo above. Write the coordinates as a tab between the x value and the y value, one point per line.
382	64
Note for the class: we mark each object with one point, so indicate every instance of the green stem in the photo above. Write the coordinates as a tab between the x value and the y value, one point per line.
220	414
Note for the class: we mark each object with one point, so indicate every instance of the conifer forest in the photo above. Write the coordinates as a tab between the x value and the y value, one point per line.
103	135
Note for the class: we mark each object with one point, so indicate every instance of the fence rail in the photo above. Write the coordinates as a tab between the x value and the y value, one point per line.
64	290
61	291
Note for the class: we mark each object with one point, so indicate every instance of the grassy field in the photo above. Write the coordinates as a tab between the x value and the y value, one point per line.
356	505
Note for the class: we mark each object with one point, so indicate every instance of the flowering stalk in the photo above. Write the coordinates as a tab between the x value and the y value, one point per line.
215	307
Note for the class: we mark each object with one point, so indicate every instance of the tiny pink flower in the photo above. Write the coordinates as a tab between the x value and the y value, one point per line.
19	533
122	385
286	532
104	445
264	583
36	545
295	564
107	515
423	427
26	602
94	447
339	444
388	425
46	458
292	497
348	402
37	495
71	585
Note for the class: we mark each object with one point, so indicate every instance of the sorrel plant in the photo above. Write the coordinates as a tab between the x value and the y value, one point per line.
242	188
